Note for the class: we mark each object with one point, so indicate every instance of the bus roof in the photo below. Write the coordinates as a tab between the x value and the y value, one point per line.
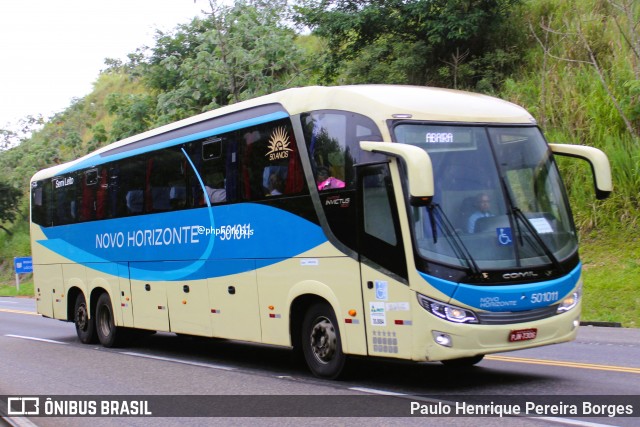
382	102
379	102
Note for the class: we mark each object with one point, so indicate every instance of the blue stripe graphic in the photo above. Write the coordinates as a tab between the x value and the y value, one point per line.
187	245
503	298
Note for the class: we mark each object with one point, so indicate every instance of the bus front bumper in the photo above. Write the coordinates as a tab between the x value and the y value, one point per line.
445	340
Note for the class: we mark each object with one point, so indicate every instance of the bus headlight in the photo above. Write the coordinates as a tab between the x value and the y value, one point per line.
570	301
447	311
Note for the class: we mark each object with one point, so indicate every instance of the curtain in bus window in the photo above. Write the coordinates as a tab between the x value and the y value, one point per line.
249	139
231	165
87	199
101	194
147	187
113	187
295	177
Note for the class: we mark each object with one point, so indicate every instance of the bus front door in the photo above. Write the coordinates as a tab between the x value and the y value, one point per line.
385	290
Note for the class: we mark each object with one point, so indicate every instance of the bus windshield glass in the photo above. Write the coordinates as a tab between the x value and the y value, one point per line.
499	202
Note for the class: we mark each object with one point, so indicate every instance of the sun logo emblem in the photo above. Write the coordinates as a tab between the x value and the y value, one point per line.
279	144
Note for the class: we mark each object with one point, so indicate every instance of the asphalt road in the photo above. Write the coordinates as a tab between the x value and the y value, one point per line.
242	384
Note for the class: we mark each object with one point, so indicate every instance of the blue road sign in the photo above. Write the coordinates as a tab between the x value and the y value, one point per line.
23	265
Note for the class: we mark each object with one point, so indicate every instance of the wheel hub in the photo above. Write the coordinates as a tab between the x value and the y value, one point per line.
324	340
82	318
104	321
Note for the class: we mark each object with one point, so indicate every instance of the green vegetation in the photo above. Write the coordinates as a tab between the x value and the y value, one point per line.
611	271
575	65
25	289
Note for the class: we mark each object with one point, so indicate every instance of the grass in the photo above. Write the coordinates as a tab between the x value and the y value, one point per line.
611	270
26	289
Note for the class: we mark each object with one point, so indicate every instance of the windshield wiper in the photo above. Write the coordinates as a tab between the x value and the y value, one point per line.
520	217
438	218
536	236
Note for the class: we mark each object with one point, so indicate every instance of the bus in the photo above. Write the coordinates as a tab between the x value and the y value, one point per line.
398	222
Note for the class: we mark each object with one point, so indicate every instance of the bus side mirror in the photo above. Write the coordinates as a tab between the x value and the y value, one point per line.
599	162
418	164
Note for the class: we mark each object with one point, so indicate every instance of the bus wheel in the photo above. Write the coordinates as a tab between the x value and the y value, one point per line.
85	326
321	342
463	361
108	333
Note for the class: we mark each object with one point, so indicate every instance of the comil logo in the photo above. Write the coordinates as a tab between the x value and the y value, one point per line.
278	144
520	275
23	406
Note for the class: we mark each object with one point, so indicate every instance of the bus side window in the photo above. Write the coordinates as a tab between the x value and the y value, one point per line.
65	202
380	238
132	185
269	162
378	220
213	170
41	202
333	142
165	181
135	201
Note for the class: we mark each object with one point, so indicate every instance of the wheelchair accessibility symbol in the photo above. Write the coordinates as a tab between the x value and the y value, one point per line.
504	236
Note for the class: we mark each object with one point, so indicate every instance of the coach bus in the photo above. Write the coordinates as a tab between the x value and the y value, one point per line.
388	221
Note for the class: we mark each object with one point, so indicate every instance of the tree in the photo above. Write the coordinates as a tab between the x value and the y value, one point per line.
589	48
237	52
134	113
9	204
424	40
20	131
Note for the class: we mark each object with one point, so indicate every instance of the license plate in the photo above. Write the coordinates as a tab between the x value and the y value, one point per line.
523	335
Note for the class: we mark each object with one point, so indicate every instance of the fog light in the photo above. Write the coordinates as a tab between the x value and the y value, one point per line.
576	323
442	338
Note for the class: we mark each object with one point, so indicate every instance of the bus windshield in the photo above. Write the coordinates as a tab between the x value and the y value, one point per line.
499	202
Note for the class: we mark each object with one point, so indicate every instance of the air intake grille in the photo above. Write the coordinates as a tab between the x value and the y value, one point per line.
507	317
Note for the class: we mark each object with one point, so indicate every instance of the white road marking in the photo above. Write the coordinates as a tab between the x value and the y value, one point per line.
375	391
34	339
184	362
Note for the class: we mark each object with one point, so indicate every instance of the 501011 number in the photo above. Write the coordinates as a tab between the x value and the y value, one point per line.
540	297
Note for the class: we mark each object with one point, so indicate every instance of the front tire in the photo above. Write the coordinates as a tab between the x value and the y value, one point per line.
463	362
85	324
321	342
108	333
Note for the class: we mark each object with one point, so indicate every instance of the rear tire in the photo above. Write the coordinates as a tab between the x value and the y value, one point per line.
108	333
85	324
321	342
